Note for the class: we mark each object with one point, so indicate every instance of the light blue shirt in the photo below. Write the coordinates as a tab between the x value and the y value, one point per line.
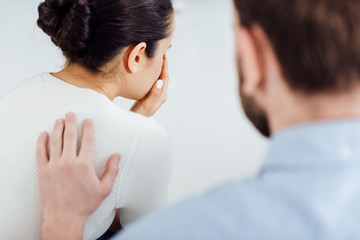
309	188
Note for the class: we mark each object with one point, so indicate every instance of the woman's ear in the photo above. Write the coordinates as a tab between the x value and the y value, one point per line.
251	61
136	56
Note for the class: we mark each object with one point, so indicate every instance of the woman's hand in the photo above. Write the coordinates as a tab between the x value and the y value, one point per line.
69	190
157	95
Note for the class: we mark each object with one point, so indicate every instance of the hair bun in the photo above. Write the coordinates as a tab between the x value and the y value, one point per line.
67	22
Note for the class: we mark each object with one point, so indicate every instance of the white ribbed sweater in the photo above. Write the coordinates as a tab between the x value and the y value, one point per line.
33	107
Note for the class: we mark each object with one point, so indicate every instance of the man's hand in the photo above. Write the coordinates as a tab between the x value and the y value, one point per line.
69	190
157	95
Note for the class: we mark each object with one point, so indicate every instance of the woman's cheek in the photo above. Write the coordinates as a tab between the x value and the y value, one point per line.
149	85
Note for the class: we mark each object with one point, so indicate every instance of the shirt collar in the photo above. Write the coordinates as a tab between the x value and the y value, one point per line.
329	144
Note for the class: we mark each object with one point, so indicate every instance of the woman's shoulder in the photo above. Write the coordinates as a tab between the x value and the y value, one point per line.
154	131
21	85
121	122
126	120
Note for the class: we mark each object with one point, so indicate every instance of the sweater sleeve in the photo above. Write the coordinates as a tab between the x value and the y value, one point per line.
148	177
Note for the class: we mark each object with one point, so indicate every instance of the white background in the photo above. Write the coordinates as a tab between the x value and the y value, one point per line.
213	142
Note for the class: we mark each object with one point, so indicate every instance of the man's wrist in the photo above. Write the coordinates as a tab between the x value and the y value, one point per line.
61	228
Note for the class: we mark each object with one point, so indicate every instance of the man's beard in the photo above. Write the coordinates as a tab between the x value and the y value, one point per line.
253	112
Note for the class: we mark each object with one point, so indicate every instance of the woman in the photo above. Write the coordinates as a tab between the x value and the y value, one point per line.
114	48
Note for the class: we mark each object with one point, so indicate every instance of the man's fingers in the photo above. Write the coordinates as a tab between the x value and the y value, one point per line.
108	178
41	149
88	140
70	134
56	142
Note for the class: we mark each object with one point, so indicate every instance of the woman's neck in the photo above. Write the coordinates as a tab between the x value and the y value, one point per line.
80	77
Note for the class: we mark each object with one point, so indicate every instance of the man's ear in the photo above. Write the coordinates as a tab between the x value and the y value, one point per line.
136	55
251	61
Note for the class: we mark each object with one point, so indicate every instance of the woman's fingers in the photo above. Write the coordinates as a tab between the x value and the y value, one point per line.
41	150
159	90
157	95
165	77
88	141
149	105
70	135
56	142
165	69
108	178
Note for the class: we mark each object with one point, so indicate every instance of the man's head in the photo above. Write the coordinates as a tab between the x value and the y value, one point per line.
288	50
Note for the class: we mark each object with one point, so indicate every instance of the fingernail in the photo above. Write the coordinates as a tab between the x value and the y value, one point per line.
117	159
43	134
159	84
70	115
88	121
59	121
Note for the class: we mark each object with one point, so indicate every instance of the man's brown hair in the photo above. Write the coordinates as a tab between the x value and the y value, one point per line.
317	42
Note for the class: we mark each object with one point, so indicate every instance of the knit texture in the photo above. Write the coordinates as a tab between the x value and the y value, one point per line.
33	107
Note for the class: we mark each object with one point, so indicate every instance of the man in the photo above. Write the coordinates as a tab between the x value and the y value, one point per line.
299	71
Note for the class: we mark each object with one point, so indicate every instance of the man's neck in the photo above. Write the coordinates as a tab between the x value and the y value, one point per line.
300	109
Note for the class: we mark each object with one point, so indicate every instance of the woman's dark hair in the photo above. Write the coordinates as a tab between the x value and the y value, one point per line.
92	32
